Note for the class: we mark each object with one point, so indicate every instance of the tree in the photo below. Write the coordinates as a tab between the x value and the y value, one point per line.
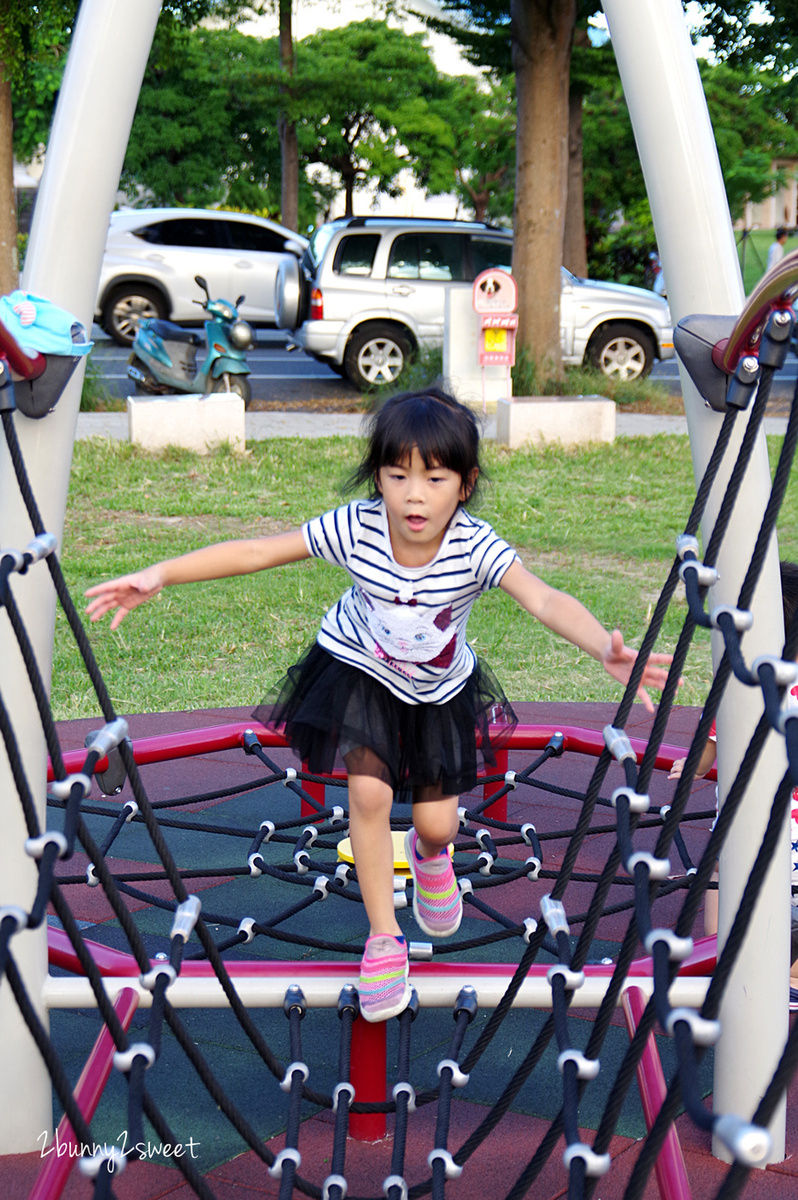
199	126
542	40
371	107
539	36
28	32
482	117
758	33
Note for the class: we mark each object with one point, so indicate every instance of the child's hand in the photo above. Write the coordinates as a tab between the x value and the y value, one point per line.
677	768
124	594
619	659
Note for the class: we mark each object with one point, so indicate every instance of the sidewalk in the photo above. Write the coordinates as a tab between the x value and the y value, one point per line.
263	425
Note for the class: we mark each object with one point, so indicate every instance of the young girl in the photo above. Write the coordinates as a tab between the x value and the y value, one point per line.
391	684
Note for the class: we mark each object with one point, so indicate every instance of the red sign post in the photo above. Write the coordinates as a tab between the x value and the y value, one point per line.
495	299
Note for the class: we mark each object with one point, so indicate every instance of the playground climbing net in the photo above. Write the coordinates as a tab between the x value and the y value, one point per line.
491	852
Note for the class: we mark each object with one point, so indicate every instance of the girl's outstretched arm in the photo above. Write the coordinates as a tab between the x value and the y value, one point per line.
212	562
565	615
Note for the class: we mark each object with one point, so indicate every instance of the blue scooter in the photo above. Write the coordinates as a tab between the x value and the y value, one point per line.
164	357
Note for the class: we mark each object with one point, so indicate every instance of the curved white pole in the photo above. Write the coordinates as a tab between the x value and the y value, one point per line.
107	58
696	241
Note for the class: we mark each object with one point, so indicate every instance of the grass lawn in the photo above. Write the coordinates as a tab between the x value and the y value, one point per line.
597	522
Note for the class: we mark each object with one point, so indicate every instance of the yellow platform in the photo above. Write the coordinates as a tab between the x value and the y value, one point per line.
399	860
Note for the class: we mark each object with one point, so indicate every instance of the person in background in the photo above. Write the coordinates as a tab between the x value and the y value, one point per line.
776	249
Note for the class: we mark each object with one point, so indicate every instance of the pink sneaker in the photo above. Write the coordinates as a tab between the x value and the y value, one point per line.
384	988
437	904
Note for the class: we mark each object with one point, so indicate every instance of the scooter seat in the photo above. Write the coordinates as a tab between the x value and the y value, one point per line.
167	331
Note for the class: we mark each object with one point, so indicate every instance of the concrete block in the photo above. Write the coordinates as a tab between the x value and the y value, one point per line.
478	387
192	422
566	420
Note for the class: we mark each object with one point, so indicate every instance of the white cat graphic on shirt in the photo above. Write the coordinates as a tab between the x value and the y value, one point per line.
407	635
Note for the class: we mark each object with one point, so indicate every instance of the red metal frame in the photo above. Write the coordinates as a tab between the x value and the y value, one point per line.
65	1148
368	1056
669	1168
29	366
369	1076
191	742
119	963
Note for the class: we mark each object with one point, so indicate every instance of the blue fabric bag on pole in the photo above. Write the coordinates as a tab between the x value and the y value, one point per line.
41	327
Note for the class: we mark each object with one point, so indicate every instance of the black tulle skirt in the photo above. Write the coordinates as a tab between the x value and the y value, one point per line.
332	711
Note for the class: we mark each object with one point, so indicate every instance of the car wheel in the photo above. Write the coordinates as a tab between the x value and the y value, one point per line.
126	306
621	352
376	356
238	384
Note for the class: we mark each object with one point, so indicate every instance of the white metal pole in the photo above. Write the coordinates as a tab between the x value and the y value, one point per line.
107	58
696	242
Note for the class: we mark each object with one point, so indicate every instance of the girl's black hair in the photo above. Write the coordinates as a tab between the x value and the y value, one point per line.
444	431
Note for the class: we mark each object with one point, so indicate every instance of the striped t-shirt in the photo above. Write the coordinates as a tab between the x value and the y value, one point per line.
406	626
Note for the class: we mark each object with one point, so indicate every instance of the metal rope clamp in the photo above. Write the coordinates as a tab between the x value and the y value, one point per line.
705	576
639	802
276	1169
90	1166
340	1089
586	1068
252	863
395	1181
186	916
553	914
742	619
571	979
246	929
452	1169
288	1078
459	1079
124	1059
403	1088
658	868
334	1181
35	847
19	915
784	673
679	948
62	788
595	1164
42	546
750	1144
150	980
618	744
702	1031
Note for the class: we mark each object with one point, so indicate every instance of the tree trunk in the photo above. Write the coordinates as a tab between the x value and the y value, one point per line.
289	151
574	254
542	36
9	260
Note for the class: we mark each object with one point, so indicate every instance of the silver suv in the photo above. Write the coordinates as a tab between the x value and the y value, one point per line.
152	256
368	291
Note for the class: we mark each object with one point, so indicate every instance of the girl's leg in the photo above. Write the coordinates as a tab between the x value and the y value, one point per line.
437	904
370	803
435	820
384	987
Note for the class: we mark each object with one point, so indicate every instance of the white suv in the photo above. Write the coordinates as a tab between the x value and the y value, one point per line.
369	290
153	254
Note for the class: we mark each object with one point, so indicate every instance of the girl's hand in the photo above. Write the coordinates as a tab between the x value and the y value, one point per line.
619	659
124	594
677	768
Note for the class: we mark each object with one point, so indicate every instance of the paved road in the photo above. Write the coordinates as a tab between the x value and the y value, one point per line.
278	376
667	373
